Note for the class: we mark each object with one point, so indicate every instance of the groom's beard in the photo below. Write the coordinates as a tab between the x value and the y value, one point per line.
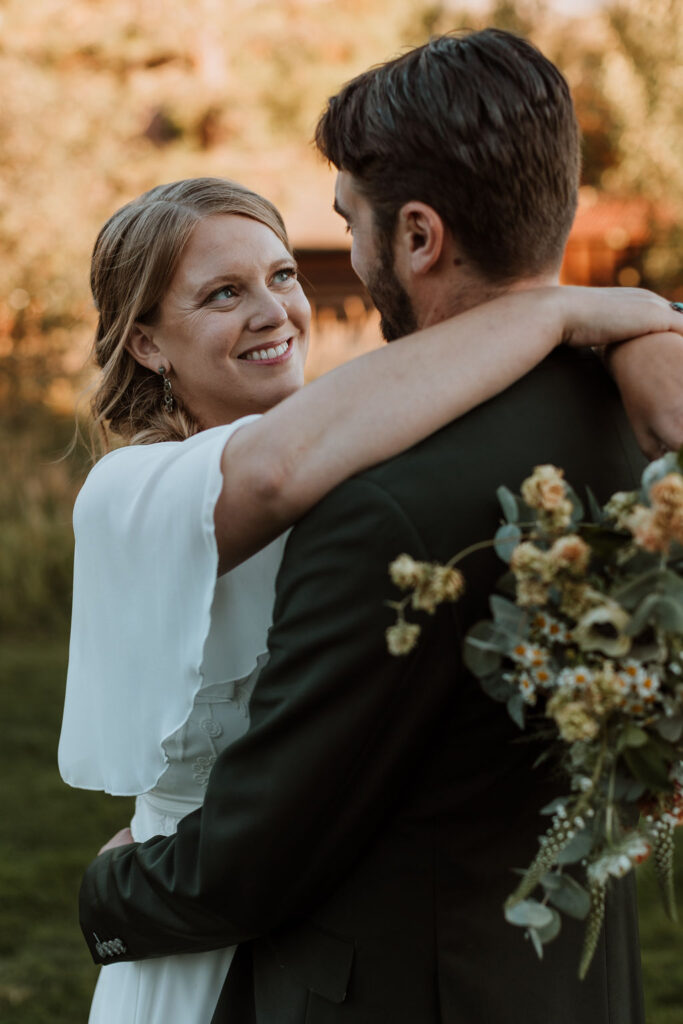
397	316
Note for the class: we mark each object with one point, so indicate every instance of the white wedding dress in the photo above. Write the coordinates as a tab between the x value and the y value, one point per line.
163	659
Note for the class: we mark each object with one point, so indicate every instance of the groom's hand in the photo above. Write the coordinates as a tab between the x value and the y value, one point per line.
649	373
123	837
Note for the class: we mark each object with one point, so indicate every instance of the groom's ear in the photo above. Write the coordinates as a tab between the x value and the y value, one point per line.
419	238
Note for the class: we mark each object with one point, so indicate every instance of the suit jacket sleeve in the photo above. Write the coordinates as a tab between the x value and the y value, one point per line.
337	726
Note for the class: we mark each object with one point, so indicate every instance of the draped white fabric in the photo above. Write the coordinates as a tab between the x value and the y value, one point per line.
151	622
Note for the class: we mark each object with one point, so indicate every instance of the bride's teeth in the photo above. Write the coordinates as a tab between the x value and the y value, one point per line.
270	353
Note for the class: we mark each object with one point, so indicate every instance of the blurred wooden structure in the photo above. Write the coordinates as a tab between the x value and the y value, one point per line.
608	240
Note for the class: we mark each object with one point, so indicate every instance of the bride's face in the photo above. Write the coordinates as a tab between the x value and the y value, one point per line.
234	321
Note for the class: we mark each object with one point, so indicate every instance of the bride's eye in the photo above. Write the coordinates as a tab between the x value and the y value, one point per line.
285	274
225	292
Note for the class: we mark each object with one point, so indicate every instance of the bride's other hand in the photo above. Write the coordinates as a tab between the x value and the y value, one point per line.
649	372
602	316
122	838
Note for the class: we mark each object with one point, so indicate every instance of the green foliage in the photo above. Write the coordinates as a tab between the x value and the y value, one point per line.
37	491
49	833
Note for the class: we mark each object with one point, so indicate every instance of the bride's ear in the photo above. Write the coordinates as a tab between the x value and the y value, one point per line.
142	347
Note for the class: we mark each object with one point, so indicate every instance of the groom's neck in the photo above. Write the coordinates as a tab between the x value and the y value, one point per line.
463	292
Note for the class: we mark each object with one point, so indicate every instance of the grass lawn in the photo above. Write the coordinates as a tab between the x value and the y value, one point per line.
50	831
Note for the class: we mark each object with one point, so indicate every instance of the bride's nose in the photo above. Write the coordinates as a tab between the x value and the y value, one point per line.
268	311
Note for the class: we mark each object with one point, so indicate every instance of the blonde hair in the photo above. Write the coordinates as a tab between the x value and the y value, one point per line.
134	259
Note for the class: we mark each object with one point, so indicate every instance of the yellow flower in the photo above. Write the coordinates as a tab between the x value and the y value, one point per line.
572	719
402	637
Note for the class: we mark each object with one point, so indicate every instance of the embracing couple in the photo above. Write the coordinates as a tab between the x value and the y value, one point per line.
324	833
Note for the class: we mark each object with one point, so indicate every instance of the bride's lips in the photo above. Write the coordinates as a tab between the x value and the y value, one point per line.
258	355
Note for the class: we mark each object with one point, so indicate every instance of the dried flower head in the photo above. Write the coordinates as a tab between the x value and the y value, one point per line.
578	598
572	719
666	496
620	506
570	553
528	560
532	593
405	572
402	637
647	529
440	583
545	488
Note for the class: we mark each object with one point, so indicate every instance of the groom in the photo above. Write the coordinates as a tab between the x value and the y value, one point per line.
358	842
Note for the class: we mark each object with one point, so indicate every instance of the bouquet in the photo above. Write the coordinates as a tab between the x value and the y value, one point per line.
588	657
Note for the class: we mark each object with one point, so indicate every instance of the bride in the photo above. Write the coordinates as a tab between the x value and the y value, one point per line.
201	340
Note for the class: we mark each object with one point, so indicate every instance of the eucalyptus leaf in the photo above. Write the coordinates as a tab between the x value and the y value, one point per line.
628	790
509	616
659	610
631	736
578	848
552	880
536	942
648	765
506	540
594	507
528	914
551	930
481	661
636	590
657	470
516	706
567	895
577	504
670	729
507	584
508	503
497	688
483	648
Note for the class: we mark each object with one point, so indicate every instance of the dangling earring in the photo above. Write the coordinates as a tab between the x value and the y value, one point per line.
168	390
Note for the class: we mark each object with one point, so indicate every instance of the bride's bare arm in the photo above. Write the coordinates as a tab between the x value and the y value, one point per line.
380	404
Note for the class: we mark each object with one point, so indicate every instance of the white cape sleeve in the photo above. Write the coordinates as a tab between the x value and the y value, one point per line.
145	570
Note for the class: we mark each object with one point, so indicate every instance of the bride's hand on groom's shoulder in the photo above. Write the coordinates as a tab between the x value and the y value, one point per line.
649	373
122	838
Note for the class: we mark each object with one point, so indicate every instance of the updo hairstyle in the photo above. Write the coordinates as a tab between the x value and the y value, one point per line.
134	260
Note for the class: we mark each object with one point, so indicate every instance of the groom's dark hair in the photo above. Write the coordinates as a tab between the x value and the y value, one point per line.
481	127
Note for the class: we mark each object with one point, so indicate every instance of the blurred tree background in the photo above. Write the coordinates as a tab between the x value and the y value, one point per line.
103	99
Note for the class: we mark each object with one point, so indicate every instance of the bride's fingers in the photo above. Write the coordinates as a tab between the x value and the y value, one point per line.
122	838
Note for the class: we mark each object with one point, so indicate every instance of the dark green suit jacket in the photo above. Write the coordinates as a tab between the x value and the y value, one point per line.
358	841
